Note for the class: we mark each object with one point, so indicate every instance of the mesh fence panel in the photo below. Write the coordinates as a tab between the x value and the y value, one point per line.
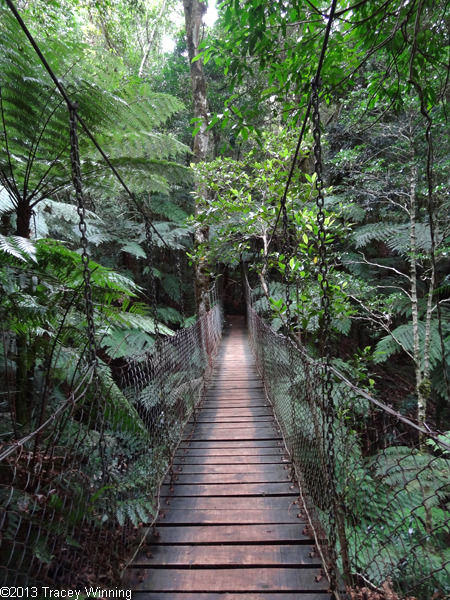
76	492
390	510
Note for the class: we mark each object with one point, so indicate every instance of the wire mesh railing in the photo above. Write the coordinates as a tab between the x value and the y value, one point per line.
384	533
78	488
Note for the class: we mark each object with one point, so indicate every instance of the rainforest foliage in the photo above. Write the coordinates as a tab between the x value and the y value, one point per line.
385	129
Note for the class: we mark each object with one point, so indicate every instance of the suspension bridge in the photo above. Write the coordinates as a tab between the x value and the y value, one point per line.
201	469
215	473
231	519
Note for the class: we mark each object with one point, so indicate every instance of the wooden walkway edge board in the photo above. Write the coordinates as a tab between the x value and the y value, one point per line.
233	580
229	596
230	525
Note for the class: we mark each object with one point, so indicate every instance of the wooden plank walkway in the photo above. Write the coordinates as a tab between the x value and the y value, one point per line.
229	527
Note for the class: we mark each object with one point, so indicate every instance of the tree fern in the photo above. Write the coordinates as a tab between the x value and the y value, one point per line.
34	159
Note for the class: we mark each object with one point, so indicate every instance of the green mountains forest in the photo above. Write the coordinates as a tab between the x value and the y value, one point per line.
207	167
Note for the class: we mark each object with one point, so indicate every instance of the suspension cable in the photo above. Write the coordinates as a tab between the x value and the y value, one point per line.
305	119
71	105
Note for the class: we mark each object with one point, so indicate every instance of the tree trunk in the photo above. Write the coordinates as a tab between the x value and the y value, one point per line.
23	398
23	215
150	37
422	389
193	13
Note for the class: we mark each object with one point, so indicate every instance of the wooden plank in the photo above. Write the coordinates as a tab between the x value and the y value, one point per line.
223	556
231	444
236	434
230	478
279	533
240	426
239	393
227	517
249	451
229	580
236	404
233	402
280	503
238	374
174	595
234	431
241	386
250	389
220	426
237	468
217	489
236	418
230	400
233	378
228	460
231	412
232	382
233	373
235	409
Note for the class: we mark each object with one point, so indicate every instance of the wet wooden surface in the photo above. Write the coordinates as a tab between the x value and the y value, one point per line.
230	526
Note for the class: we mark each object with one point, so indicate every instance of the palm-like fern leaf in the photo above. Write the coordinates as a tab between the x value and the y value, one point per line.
388	346
19	247
397	237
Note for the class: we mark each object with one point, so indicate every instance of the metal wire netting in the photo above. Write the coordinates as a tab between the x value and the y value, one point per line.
76	491
389	512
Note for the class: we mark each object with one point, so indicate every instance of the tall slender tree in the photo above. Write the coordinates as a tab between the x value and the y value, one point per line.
193	13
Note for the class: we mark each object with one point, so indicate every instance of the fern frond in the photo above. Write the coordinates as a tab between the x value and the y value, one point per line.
6	202
117	409
388	346
162	206
168	314
133	248
141	174
397	237
147	144
144	109
171	285
121	343
19	247
137	322
175	237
